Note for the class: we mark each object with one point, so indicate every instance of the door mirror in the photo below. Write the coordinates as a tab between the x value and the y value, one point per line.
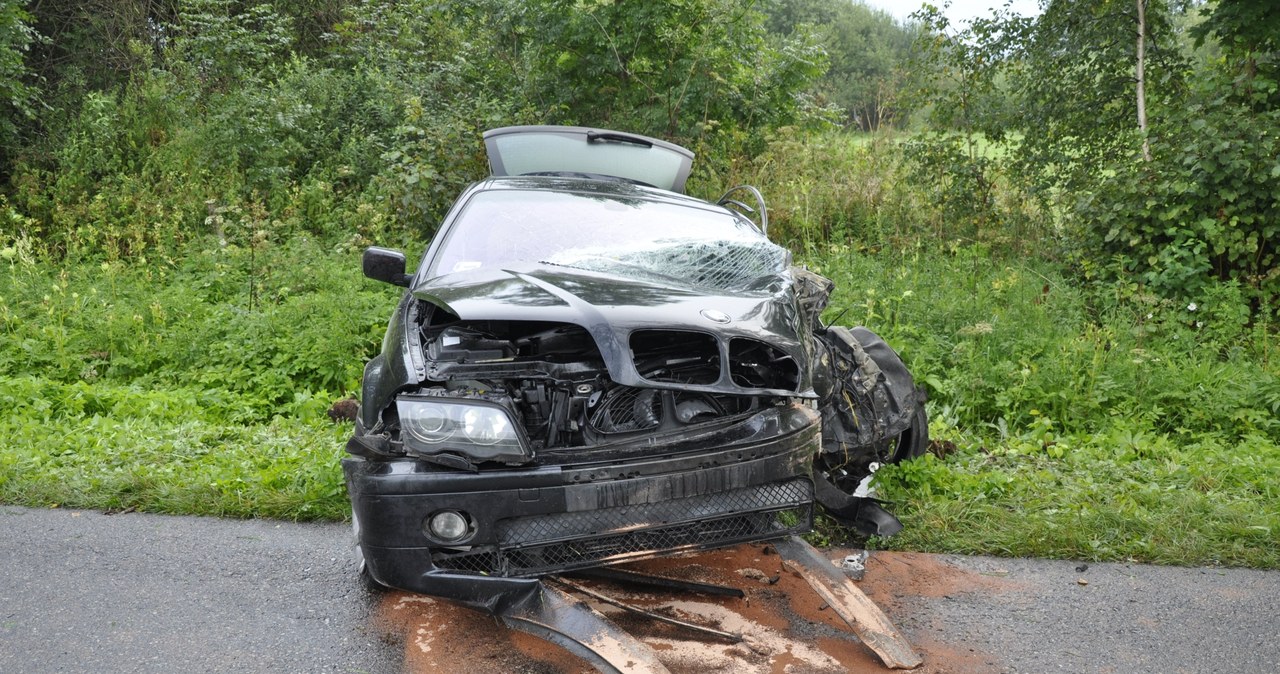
386	265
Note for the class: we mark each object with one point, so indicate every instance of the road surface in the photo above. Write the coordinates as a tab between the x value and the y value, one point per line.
82	591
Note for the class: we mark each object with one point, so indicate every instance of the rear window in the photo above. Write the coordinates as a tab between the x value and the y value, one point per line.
583	152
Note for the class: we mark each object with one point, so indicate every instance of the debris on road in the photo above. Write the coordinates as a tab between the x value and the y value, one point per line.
855	565
863	616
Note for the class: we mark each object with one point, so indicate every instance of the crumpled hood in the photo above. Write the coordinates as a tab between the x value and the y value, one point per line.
611	306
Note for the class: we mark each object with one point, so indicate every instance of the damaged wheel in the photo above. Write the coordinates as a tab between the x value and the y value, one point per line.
846	495
847	475
872	414
914	441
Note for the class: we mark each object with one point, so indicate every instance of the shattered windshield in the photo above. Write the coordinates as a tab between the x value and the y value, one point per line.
634	237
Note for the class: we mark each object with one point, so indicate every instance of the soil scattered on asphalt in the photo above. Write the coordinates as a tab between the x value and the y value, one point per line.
786	627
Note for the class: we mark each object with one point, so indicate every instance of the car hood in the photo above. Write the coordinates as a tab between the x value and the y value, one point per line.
611	306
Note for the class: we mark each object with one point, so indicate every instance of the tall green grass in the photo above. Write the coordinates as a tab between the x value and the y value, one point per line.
197	386
1069	422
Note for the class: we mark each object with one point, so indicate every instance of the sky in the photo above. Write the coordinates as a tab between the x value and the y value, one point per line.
959	10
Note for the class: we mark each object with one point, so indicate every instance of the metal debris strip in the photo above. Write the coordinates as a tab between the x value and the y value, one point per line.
732	637
855	608
637	578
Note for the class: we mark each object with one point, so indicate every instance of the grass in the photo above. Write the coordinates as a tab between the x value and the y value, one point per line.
198	385
1075	423
164	450
1151	500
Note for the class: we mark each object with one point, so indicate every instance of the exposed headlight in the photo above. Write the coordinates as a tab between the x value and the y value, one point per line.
477	429
486	426
427	422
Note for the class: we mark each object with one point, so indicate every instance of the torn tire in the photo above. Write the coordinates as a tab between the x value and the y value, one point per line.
872	414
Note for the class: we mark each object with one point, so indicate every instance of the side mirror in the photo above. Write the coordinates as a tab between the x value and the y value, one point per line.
386	265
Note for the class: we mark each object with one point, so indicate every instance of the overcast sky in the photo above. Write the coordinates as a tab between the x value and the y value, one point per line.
959	11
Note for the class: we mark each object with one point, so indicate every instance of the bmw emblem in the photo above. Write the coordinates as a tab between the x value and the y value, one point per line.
715	316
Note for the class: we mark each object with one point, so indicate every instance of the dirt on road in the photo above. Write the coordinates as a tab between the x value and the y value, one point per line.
786	627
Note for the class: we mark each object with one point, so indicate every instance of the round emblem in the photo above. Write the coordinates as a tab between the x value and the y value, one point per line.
715	316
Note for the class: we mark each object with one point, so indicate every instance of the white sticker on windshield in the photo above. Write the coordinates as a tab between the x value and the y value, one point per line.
466	265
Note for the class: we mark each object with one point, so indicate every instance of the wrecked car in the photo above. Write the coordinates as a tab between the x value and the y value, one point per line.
589	366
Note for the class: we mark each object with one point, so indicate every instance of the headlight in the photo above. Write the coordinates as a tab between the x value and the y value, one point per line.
427	422
477	429
486	426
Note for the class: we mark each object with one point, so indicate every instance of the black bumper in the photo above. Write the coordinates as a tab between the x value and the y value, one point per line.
748	482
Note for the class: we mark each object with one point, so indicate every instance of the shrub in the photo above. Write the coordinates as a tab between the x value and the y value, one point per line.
1205	209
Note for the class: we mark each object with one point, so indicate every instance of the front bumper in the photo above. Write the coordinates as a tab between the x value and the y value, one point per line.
748	482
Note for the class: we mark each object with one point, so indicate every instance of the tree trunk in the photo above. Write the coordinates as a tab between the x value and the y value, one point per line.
1142	78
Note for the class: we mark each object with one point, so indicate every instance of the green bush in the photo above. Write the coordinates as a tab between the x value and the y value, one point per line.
1095	422
199	386
272	326
1015	347
1205	209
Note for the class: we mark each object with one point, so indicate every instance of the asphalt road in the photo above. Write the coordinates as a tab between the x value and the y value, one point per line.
86	592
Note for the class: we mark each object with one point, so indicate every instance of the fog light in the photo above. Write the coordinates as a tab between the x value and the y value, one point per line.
448	525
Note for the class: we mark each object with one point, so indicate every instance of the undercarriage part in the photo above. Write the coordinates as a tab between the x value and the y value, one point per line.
559	618
859	612
564	620
645	579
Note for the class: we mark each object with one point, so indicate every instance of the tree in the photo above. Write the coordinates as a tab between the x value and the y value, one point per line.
866	48
1248	33
1165	173
1083	76
94	44
18	95
682	69
1205	208
1140	75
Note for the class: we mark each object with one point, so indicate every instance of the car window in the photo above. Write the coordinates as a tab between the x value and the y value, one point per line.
572	150
621	235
